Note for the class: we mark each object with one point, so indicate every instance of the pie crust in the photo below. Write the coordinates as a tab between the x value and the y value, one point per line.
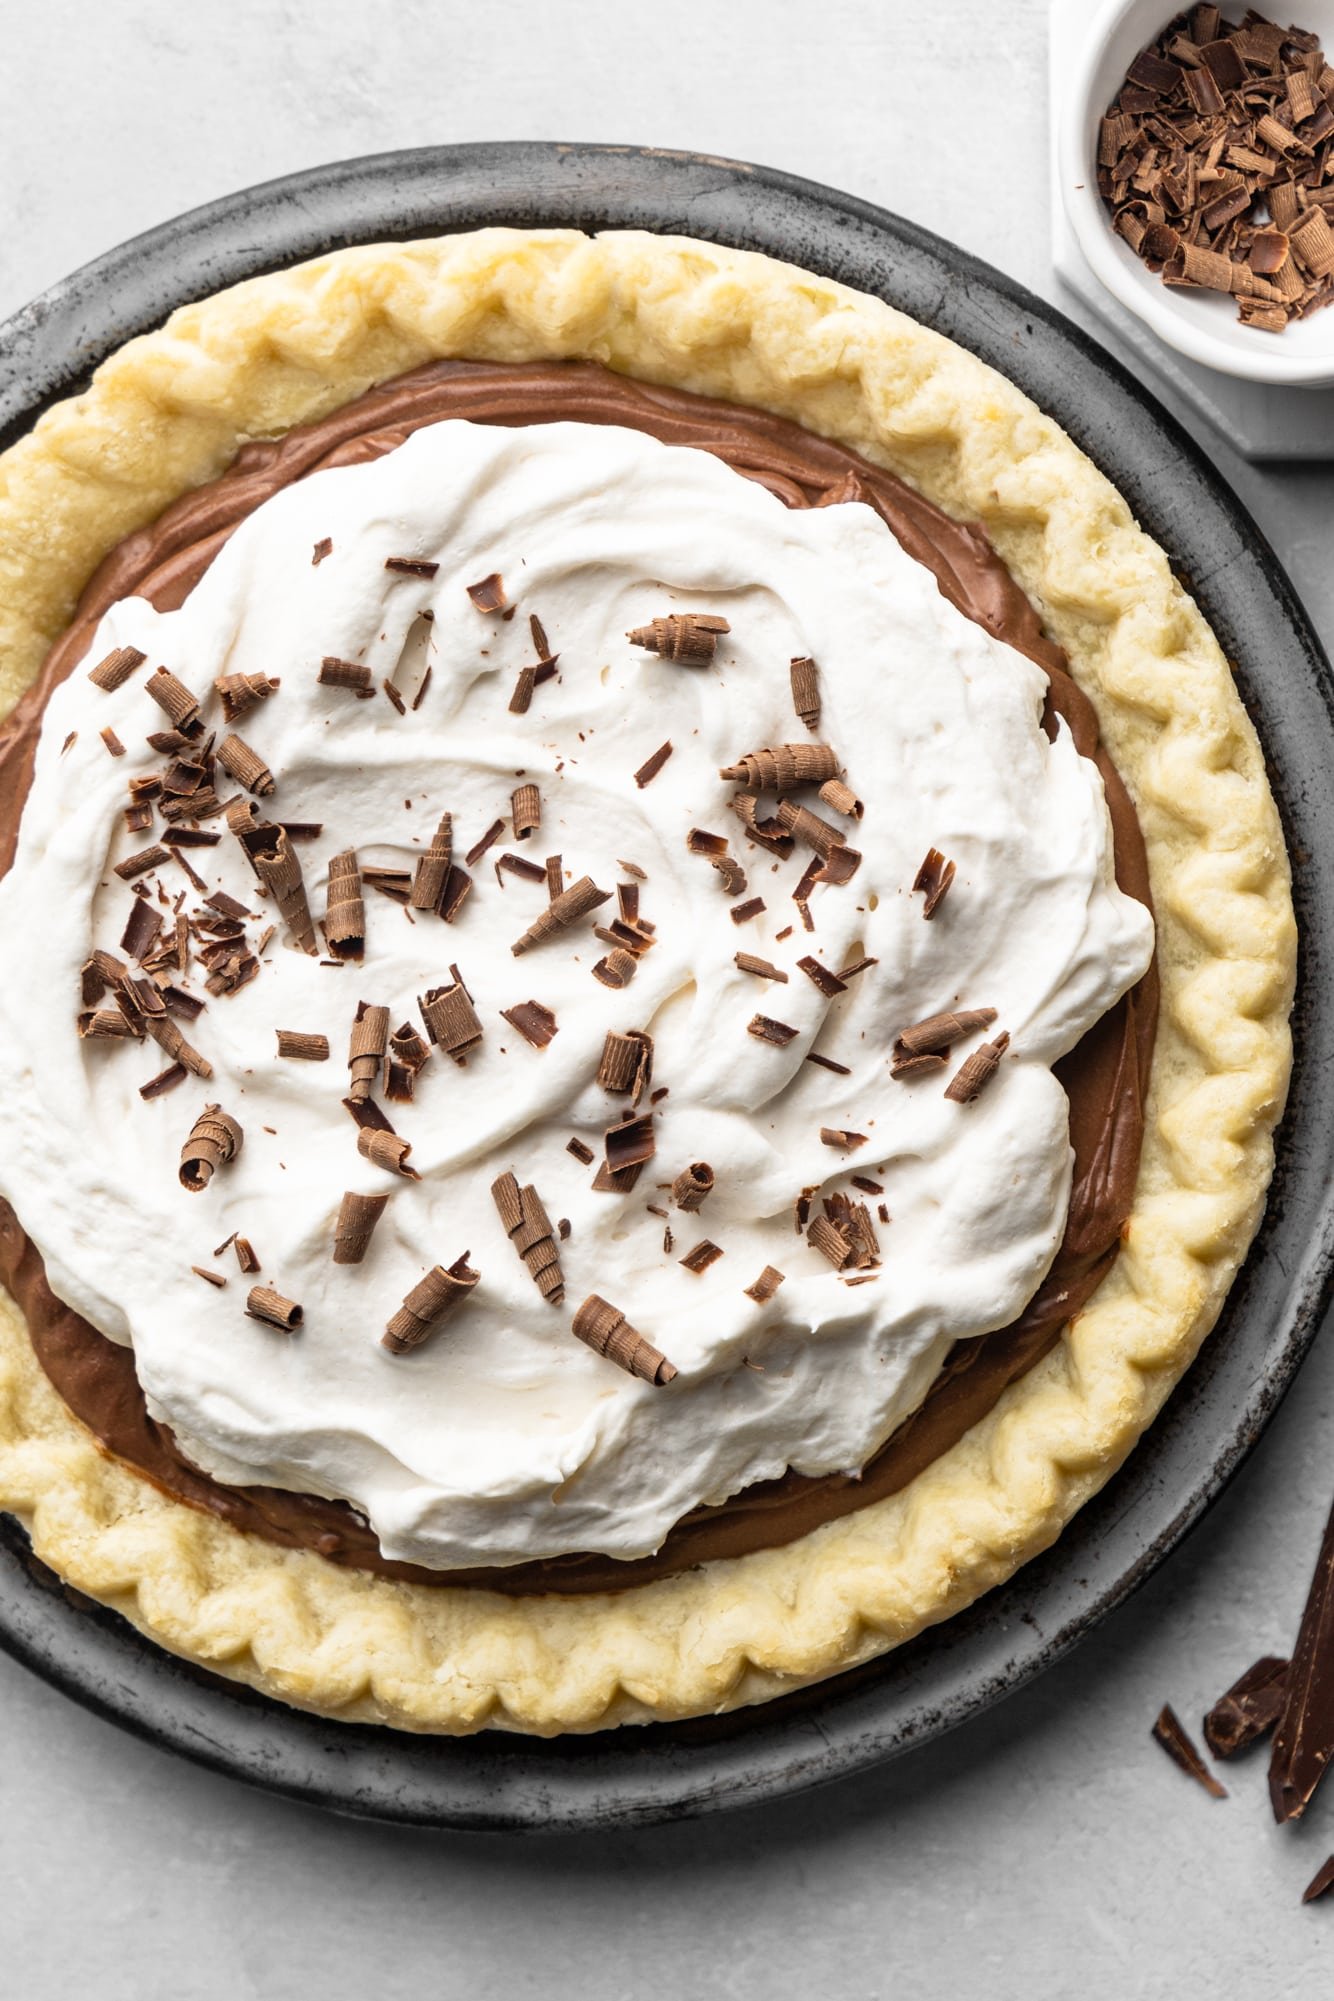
168	412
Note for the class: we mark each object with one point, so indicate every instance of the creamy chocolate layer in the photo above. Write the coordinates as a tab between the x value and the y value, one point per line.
1105	1077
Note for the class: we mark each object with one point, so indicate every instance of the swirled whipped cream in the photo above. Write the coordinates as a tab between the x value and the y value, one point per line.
503	1437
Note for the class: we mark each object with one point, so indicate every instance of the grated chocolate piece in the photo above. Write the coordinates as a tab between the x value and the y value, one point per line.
245	1254
765	1286
579	1150
941	1031
345	913
837	1136
451	1019
116	667
240	693
489	594
528	1228
387	1150
842	798
511	864
534	1021
429	1303
741	913
108	1024
412	566
215	1139
748	963
765	1029
1249	1709
302	1048
246	766
357	1217
690	636
692	1186
141	929
631	1144
605	1329
349	675
166	1080
525	811
488	840
783	768
703	1255
275	863
977	1071
820	976
141	863
825	1237
365	1051
171	1042
555	877
626	1065
765	833
113	743
806	826
1170	1732
806	692
323	548
562	911
174	699
933	878
651	766
214	1278
263	1303
428	882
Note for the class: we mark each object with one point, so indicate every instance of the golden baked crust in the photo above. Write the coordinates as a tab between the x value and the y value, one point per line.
168	412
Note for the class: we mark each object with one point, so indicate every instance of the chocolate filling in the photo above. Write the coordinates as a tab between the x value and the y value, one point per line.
1105	1076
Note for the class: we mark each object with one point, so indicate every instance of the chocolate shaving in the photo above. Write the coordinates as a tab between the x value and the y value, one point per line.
839	865
116	668
1169	1731
263	1303
806	693
820	976
783	768
692	1186
627	902
214	1278
765	1029
166	1080
1249	1709
141	928
867	1186
700	842
1304	1739
245	1251
540	642
396	700
826	1238
488	840
703	1255
535	1022
174	699
842	798
411	566
579	1150
627	1062
302	1048
140	864
346	674
451	1020
933	878
345	914
387	1150
428	882
940	1031
630	1144
741	913
274	862
977	1071
651	766
1321	1882
806	826
690	636
113	743
528	1228
563	910
837	1136
748	963
366	1115
489	595
555	877
323	548
765	1286
521	700
428	1304
525	811
510	864
357	1217
106	1024
246	766
605	1329
765	833
215	1139
904	1067
366	1047
406	1056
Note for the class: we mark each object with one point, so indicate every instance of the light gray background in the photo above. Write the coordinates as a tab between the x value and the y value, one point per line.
1050	1848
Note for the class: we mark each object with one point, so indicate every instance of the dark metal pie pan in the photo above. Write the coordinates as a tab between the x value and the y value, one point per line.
500	1782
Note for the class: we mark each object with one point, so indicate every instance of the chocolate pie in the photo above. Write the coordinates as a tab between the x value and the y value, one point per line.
647	981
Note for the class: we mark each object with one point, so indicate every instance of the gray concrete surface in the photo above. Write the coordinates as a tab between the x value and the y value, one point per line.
1049	1849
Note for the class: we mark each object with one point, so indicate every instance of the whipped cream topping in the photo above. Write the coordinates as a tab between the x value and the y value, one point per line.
504	1438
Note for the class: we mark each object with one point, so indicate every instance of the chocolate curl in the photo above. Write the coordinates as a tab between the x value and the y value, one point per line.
242	692
692	1184
765	1286
489	594
240	818
765	833
533	1021
407	1055
174	698
357	1217
274	861
616	970
429	881
245	765
427	1305
528	1227
302	1048
345	913
627	1062
336	673
387	1150
263	1303
110	673
842	798
215	1138
563	910
810	828
605	1329
366	1047
451	1020
525	811
691	636
825	1237
938	1031
106	1024
977	1071
933	878
169	1038
806	693
783	768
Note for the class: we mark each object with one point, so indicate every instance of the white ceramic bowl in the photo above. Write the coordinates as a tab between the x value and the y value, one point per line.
1201	325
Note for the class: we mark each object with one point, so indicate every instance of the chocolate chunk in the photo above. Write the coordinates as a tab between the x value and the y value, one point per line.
534	1022
489	594
357	1217
411	566
933	878
429	1303
806	692
1321	1882
651	766
765	1029
1249	1709
765	1286
215	1139
346	674
1171	1734
977	1071
1304	1738
116	668
528	1228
